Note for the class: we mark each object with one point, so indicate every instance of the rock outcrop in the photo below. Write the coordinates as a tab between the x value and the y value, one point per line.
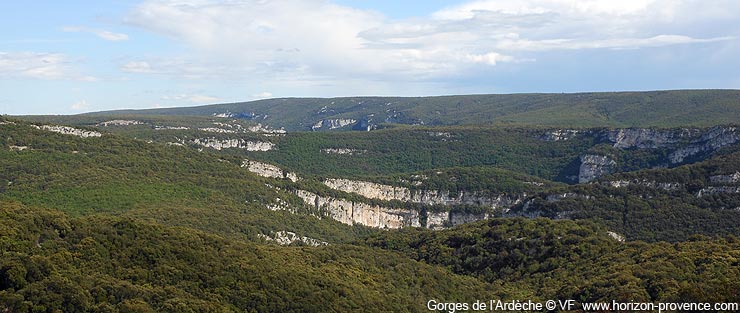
343	151
119	123
711	190
429	197
333	123
220	144
66	130
713	140
686	142
560	135
268	170
647	138
217	130
725	179
285	238
667	186
350	213
594	166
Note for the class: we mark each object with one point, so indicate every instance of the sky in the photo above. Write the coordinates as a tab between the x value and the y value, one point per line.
69	57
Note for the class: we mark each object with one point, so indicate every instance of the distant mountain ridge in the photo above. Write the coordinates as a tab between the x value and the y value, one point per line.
672	108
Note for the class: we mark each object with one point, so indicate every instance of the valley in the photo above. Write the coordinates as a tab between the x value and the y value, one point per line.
257	205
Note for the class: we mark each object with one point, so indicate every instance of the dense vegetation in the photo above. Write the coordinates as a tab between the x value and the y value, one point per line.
107	264
144	219
658	204
172	185
578	260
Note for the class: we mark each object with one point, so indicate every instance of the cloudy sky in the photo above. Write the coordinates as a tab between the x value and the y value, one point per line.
66	57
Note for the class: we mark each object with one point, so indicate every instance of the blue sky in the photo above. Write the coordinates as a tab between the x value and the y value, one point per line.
67	57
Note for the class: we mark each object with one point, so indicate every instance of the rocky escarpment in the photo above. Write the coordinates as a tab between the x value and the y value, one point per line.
349	212
679	145
667	186
268	170
685	142
285	238
560	134
716	138
333	123
725	179
345	151
65	130
429	197
712	190
220	144
119	123
594	166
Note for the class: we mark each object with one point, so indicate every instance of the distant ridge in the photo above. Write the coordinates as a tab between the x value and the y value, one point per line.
672	108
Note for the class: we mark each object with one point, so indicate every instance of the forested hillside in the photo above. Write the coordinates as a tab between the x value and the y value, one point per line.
184	210
672	108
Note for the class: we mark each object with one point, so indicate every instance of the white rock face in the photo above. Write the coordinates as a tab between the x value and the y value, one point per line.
646	183
594	166
171	128
265	129
343	151
18	148
687	141
566	195
430	197
220	144
715	190
217	130
438	220
285	238
714	139
333	123
69	131
560	135
440	134
616	236
350	213
370	190
462	218
224	115
726	179
268	170
644	138
120	123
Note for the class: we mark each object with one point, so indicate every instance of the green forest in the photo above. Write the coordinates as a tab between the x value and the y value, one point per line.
143	218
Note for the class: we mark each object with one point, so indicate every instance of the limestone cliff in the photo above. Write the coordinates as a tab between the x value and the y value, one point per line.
349	212
285	238
220	144
268	170
594	166
685	142
713	140
429	197
333	123
65	130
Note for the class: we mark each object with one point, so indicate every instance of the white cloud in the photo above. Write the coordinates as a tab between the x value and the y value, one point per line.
137	67
316	40
101	33
80	105
193	98
262	95
36	65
